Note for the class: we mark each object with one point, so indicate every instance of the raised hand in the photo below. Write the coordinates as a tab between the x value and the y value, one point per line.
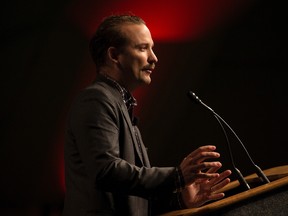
201	177
204	190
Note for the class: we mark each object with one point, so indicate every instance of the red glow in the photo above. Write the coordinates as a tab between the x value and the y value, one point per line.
167	20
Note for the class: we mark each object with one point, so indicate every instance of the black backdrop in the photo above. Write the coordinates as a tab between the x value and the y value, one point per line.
238	69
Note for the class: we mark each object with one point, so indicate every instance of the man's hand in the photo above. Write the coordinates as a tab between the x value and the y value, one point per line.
201	177
203	190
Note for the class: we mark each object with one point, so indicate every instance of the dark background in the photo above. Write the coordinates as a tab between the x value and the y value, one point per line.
238	68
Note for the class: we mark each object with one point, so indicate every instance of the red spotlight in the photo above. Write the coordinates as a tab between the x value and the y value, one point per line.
167	20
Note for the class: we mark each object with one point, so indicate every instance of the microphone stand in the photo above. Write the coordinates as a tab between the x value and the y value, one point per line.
241	179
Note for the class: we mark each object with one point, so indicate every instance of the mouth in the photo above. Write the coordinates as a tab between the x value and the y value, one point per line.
148	70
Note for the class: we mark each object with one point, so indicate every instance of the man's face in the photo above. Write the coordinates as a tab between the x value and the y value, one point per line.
137	59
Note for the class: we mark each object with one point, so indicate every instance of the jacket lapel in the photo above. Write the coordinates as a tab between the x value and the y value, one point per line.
132	132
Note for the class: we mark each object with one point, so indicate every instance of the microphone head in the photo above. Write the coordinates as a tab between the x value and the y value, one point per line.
196	99
193	97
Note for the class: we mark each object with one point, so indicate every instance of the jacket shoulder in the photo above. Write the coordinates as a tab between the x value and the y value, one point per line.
100	91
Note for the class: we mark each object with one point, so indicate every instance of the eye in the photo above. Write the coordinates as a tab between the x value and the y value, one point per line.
143	48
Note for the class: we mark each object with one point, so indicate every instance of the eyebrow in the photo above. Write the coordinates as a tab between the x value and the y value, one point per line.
144	44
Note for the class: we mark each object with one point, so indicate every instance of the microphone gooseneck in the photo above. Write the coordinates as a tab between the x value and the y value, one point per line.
220	120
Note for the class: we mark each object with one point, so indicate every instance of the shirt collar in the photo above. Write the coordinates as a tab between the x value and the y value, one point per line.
127	97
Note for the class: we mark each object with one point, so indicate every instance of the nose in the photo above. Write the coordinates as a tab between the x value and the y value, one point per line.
152	57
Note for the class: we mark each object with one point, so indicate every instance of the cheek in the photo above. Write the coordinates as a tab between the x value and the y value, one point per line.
141	60
133	61
136	63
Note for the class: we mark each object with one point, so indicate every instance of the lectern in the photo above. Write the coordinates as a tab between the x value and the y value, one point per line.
269	199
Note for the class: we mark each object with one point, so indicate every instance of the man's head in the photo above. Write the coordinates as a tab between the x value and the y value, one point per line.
124	44
109	34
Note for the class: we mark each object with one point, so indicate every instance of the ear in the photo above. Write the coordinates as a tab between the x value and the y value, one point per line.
113	54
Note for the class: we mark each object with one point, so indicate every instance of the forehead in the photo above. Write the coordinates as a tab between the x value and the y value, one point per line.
137	33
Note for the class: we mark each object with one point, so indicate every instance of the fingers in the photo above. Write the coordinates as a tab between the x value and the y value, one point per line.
210	166
222	178
203	153
216	196
195	153
213	169
202	175
194	166
193	172
220	185
201	149
217	186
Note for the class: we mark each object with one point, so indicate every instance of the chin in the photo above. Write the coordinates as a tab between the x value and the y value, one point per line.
147	81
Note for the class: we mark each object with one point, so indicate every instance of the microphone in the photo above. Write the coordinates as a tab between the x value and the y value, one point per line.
241	179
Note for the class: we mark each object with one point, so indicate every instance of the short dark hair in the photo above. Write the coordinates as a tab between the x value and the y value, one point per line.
109	34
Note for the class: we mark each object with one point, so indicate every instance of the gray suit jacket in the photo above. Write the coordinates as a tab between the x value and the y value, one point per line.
106	171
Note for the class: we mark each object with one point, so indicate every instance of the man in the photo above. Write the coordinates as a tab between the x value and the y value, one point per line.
106	164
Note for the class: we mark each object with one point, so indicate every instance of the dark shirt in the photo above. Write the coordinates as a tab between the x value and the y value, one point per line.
127	97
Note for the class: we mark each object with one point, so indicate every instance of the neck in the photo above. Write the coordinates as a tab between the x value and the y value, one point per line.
117	76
